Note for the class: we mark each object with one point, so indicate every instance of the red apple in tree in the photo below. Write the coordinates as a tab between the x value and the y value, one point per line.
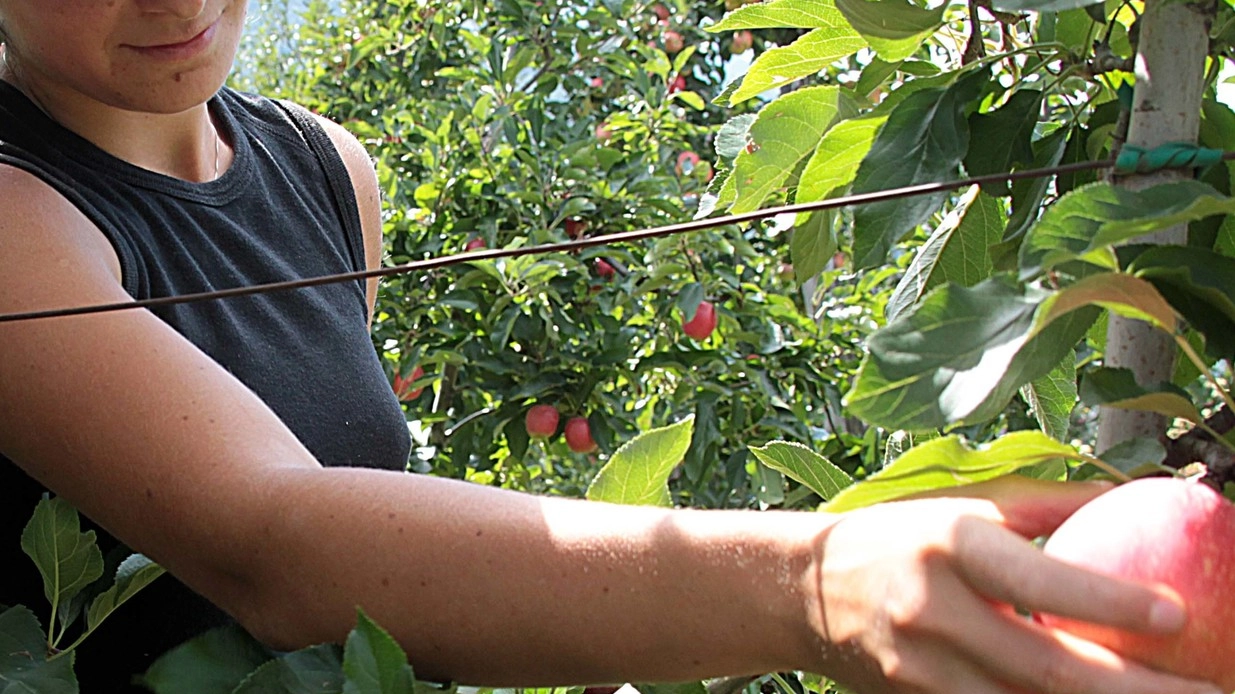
1166	530
604	133
742	41
579	435
677	84
704	322
597	82
402	386
603	268
687	161
475	244
662	12
575	227
673	41
541	421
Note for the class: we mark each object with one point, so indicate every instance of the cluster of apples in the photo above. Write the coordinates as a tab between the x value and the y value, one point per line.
542	423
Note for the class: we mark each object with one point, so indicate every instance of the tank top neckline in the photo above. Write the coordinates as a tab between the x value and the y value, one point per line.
69	144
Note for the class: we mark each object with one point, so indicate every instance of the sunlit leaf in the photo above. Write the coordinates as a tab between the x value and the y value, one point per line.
894	28
638	472
835	160
804	465
950	462
1040	5
786	132
1098	215
958	251
1128	296
781	14
1198	283
778	67
1052	397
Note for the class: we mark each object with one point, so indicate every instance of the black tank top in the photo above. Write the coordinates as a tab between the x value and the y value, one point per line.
284	210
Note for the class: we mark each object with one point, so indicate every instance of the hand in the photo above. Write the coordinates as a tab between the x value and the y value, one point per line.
917	595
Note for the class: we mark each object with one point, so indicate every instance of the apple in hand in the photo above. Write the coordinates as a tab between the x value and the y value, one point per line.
403	386
579	435
704	322
541	421
1161	530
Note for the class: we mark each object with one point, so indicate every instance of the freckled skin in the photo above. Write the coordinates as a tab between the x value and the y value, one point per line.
1176	532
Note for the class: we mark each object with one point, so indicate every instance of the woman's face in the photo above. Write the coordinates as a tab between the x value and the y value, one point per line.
154	56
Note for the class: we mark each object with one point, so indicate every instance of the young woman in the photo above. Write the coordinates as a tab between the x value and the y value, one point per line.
253	446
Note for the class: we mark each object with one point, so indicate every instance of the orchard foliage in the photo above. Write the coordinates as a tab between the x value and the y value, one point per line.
524	122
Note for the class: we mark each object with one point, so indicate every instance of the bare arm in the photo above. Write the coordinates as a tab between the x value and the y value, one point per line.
141	431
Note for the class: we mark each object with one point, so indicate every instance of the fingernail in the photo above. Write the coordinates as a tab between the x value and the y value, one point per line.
1166	615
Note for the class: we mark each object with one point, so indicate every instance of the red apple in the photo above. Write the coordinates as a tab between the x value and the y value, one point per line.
677	84
597	82
742	41
575	227
541	420
603	268
475	244
402	386
662	12
1165	530
673	41
579	435
704	322
687	161
604	133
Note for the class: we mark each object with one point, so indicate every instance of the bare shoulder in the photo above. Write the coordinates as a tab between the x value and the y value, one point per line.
368	197
120	414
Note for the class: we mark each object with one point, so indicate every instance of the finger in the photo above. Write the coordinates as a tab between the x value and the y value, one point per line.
1000	565
1029	657
1028	506
934	666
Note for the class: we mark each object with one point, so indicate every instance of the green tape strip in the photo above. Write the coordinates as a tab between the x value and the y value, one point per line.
1173	155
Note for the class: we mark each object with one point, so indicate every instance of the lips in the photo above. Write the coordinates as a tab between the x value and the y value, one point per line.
179	50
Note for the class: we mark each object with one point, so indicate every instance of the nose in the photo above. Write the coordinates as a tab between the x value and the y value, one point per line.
181	9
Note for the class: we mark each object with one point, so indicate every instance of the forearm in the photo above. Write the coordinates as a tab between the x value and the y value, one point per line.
550	591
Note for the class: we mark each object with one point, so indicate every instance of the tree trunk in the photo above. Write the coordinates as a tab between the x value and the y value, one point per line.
1170	66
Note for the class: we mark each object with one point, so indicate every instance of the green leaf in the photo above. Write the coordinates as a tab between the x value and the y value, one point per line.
804	465
778	67
813	243
1128	296
1052	398
923	142
950	462
958	251
215	662
1040	5
638	473
68	559
1002	140
835	161
24	668
959	356
134	573
1111	387
373	661
313	670
1200	284
781	14
894	28
1096	216
787	131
